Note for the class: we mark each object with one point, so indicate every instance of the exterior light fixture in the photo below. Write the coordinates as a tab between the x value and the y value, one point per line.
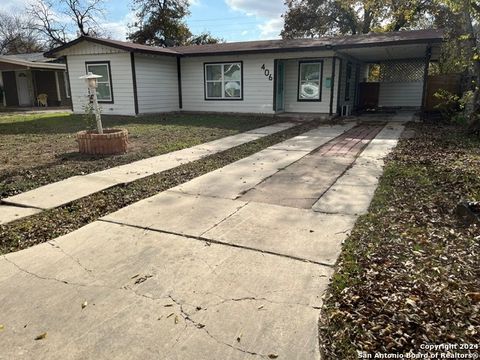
91	81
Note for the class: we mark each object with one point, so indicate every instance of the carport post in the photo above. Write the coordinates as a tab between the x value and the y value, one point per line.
428	55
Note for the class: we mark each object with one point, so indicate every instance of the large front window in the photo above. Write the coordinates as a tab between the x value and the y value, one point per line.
104	89
310	81
223	81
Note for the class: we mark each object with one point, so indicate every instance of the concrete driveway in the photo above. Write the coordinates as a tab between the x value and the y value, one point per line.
231	265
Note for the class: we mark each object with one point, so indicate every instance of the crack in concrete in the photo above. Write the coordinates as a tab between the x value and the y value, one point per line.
187	318
43	277
56	245
224	219
262	299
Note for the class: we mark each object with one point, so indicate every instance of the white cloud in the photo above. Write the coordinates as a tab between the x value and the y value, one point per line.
271	28
194	2
118	29
268	11
261	8
13	5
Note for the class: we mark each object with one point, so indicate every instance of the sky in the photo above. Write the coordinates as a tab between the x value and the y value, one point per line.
231	20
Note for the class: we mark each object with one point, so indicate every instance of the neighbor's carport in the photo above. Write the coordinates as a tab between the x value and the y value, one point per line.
23	77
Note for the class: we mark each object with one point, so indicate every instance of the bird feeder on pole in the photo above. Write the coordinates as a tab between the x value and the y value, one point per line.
91	81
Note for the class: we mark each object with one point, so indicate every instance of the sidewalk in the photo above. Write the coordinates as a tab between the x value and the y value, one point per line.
76	187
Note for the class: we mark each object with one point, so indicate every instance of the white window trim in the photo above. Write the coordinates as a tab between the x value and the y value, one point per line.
102	80
222	80
319	63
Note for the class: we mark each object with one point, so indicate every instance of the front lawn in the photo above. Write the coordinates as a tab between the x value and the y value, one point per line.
38	149
409	272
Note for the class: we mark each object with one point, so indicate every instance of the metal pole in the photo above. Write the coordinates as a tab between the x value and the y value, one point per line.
97	112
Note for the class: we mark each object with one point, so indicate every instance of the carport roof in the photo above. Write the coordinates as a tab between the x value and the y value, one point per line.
29	61
428	36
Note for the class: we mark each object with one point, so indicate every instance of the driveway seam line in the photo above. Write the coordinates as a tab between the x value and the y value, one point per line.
218	242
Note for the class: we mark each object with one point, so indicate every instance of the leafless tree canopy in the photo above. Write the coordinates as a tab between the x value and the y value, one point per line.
60	21
17	35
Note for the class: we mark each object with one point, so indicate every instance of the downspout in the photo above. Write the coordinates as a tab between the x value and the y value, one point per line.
179	80
332	85
68	82
134	82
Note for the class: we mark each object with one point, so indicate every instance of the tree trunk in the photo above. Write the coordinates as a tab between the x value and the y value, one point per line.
474	115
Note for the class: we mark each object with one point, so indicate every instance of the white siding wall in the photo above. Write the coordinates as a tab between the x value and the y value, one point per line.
291	89
157	83
121	80
408	94
257	88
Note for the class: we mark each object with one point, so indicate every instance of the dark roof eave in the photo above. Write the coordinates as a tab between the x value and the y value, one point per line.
52	52
313	48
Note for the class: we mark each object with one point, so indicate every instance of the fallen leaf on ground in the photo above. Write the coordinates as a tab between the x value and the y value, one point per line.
41	336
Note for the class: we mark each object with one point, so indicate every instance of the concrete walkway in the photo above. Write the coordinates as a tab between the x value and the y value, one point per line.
76	187
201	271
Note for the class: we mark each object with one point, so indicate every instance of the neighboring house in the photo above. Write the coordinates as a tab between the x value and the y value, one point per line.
324	76
25	76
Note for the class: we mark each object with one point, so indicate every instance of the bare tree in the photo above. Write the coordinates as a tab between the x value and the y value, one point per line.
59	21
48	25
16	34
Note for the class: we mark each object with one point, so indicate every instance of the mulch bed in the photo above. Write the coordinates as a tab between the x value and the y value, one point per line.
409	272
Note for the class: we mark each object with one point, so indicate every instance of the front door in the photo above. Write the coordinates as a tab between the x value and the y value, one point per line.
23	89
280	90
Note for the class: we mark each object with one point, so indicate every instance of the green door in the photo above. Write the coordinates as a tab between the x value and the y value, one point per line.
280	91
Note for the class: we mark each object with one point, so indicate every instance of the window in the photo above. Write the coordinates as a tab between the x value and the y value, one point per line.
223	81
104	89
348	80
310	81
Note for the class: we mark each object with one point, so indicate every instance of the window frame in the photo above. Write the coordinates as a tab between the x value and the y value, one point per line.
107	63
348	79
300	63
205	81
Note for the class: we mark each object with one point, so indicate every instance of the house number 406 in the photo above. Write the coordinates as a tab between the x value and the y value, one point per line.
266	72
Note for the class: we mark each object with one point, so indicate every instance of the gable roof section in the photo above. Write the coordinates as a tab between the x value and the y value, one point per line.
429	36
122	45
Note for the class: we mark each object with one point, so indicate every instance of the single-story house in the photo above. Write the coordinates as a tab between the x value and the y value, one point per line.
324	76
24	77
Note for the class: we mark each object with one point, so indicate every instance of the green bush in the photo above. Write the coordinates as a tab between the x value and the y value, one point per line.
452	107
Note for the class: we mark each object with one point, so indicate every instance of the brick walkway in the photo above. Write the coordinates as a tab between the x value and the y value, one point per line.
314	174
351	142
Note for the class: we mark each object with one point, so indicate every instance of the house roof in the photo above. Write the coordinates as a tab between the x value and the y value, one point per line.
333	42
31	61
322	43
122	45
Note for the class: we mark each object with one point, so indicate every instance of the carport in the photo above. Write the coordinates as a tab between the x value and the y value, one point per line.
386	76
